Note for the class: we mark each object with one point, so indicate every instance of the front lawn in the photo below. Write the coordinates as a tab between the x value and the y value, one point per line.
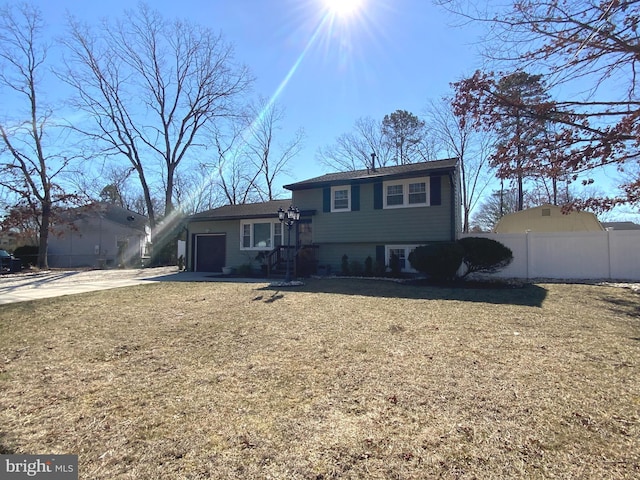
336	379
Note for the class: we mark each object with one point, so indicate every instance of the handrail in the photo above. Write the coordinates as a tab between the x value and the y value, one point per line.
277	256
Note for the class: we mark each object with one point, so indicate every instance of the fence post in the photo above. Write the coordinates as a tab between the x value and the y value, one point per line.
528	253
609	256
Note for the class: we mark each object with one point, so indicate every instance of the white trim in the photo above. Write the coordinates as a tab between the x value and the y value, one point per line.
251	223
405	192
337	189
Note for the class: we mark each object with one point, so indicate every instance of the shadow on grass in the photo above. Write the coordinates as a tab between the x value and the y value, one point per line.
625	306
4	448
526	295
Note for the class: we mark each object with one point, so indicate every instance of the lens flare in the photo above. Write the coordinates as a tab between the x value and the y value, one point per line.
343	8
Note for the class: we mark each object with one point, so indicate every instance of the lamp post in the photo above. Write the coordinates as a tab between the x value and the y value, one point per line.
288	217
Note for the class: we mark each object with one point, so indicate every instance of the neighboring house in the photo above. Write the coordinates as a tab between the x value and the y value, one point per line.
547	219
620	226
9	240
99	235
365	213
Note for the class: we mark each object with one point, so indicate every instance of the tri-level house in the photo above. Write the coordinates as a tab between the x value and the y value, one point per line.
374	213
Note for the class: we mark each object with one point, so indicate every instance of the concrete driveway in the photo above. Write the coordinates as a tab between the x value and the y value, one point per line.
21	287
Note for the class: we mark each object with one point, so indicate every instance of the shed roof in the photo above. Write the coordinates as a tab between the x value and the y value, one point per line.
548	218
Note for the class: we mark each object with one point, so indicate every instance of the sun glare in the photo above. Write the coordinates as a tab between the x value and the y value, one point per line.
343	8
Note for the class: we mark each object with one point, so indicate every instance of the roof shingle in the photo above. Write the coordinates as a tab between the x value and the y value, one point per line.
370	174
247	210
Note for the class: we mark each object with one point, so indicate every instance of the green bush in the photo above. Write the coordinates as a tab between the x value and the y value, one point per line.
394	265
439	261
484	255
368	266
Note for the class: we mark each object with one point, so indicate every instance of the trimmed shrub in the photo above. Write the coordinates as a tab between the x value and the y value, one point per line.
484	255
394	265
368	266
439	261
379	268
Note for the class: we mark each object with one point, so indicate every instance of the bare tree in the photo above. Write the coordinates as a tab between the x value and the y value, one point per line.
590	47
265	154
235	175
198	189
472	149
31	163
493	208
352	151
152	86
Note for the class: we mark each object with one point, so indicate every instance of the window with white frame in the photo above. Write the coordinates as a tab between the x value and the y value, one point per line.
418	193
260	235
395	195
406	193
341	199
277	234
402	252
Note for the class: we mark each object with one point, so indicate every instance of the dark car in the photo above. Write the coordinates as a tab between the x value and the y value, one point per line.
9	263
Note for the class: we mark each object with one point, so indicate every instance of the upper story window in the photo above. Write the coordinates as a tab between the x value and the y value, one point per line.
406	193
341	199
395	194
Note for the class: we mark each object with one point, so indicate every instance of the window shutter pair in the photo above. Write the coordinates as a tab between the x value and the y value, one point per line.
435	189
355	198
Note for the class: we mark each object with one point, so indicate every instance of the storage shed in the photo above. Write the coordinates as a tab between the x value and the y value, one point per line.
548	218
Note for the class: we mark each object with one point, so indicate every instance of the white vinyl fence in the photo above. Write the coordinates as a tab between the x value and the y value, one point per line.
609	255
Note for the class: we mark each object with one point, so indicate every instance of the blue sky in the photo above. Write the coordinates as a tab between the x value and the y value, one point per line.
389	55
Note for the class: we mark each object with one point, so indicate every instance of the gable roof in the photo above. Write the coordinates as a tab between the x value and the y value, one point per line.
107	211
247	210
379	174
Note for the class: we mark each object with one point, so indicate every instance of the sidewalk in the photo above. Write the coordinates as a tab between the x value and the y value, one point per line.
22	287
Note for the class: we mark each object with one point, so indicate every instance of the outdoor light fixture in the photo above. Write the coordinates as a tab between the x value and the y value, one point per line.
288	217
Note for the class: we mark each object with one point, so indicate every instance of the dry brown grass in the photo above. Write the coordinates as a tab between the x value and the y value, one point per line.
337	379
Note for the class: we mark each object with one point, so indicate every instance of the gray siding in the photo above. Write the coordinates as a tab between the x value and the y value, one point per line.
331	254
355	233
93	243
386	226
231	228
234	256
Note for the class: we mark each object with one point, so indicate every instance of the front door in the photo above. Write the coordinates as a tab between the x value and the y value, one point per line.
305	236
210	252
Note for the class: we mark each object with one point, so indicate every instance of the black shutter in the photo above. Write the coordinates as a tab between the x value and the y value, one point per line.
326	199
435	189
355	198
377	196
380	254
